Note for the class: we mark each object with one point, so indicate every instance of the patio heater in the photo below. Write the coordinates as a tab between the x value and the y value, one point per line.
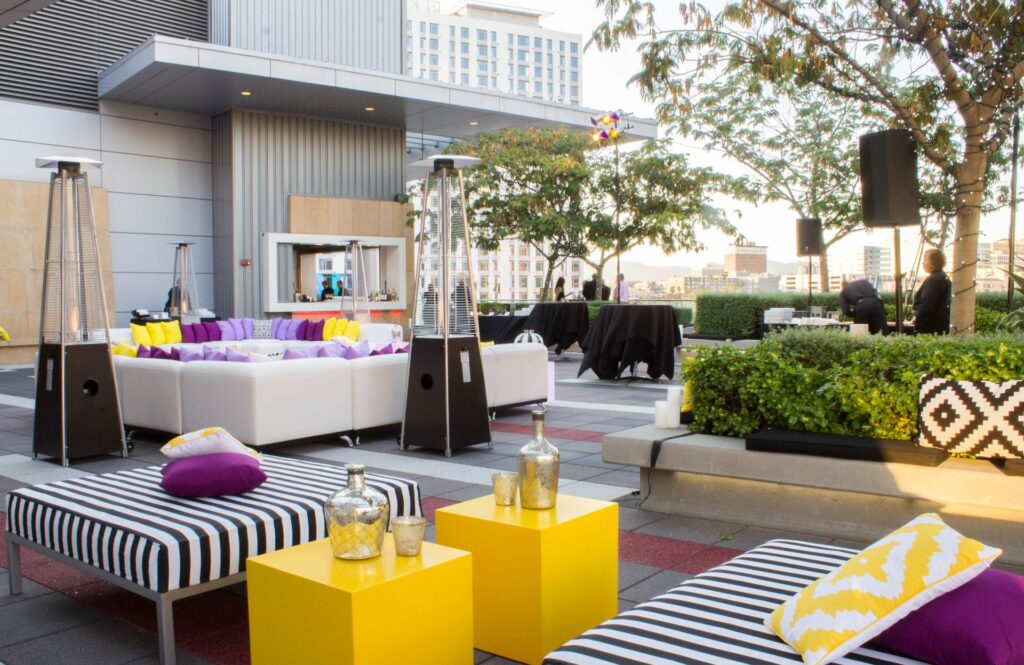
77	413
184	301
446	402
359	281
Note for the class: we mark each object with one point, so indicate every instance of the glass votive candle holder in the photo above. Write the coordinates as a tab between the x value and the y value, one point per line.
408	534
506	486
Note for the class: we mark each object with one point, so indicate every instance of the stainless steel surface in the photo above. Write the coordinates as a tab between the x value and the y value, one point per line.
357	517
538	463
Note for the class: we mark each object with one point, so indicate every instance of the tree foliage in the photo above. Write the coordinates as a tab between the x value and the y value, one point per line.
950	72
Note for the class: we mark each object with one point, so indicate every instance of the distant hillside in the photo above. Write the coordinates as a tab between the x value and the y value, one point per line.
641	272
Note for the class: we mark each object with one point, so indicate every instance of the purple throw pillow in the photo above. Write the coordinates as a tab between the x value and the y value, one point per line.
315	331
212	331
979	622
227	333
294	354
331	351
385	350
160	354
219	474
275	327
402	348
361	350
199	329
289	328
188	336
234	356
187	355
237	329
300	329
210	353
247	328
144	352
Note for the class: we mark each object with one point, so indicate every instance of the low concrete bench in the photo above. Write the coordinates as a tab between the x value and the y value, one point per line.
716	477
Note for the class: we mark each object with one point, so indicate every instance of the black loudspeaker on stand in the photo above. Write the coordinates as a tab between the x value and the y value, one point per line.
889	191
809	243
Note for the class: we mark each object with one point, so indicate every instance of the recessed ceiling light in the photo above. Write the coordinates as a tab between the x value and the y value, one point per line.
246	93
369	109
473	123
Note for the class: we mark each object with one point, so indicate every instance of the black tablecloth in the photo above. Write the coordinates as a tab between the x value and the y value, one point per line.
623	335
500	329
561	324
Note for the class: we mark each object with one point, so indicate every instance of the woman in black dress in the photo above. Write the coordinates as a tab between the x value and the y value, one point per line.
560	289
932	300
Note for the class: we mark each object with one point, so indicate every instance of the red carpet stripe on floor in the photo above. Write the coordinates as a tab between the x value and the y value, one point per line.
550	432
215	625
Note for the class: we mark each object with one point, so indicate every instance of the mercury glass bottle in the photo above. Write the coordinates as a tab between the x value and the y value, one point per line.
357	517
538	469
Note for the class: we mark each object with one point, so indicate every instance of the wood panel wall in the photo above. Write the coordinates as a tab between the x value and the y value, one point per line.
328	215
22	245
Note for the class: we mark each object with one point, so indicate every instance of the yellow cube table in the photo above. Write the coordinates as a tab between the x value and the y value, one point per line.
305	606
540	577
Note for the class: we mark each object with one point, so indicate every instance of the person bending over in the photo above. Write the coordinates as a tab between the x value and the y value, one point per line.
860	300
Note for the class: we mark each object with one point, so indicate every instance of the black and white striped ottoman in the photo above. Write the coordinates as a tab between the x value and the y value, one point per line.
125	529
716	617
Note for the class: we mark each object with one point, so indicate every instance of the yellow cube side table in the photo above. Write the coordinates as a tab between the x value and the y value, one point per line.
305	606
540	577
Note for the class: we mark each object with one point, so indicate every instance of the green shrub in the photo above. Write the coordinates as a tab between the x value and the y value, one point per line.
986	320
996	300
829	381
740	314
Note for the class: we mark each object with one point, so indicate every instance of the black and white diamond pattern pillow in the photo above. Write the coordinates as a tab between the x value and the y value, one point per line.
261	328
980	418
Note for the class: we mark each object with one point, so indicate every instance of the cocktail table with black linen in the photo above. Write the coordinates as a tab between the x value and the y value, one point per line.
500	328
561	324
624	335
125	529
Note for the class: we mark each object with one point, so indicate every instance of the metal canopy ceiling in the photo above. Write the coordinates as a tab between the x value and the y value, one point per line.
206	78
14	10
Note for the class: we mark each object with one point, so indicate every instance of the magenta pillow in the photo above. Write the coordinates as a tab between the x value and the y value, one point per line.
247	328
144	352
300	329
199	330
187	355
275	328
979	622
385	350
315	331
236	328
219	474
213	354
227	333
231	355
402	348
331	351
161	354
188	336
212	331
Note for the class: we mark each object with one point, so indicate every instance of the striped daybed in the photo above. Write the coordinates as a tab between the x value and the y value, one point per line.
123	528
716	617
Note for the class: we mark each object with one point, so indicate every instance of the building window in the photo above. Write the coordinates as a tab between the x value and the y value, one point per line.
451	47
465	63
551	89
574	48
423	43
433	28
539	266
494	81
538	87
483	265
464	47
538	58
561	74
524	266
522	70
481	35
494	51
423	26
574	77
561	47
551	74
522	56
408	25
511	68
524	41
481	66
575	92
408	42
451	31
494	66
433	44
451	77
494	36
464	33
523	249
465	79
522	86
481	50
551	59
511	39
522	285
537	72
481	81
574	62
433	75
434	59
561	91
451	62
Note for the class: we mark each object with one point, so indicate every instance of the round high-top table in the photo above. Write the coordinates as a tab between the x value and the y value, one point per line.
624	335
561	324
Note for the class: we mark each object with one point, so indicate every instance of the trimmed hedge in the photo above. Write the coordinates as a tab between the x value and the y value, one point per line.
832	382
684	315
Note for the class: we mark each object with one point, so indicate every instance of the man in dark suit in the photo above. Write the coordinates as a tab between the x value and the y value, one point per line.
860	300
932	301
590	288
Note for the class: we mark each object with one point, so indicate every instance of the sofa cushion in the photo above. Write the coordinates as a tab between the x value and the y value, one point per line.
979	418
275	328
188	335
248	328
331	350
352	330
291	329
144	351
140	334
294	353
237	329
361	350
200	333
212	331
385	350
315	331
213	353
329	325
188	354
227	332
263	329
221	474
156	333
339	327
232	355
172	332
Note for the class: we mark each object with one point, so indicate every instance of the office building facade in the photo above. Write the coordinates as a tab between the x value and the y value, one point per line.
746	258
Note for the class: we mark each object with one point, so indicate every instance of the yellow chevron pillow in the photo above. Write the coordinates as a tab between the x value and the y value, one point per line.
206	442
877	587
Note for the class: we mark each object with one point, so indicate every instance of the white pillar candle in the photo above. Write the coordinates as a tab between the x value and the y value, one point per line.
661	414
674	397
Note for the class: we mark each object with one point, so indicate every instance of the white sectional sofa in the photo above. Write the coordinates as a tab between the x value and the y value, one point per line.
269	402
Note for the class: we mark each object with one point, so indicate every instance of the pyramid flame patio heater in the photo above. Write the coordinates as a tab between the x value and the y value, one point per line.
77	413
184	301
446	402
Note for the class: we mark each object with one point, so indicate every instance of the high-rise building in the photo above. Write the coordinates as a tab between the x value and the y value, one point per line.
1001	253
516	271
492	47
746	258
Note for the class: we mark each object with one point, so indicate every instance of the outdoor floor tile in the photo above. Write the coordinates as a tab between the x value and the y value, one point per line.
29	590
576	472
438	486
849	544
498	660
503	463
626	605
182	657
631	574
693	529
632	518
596	460
104	641
40	616
585	447
622	478
654	585
468	493
751	537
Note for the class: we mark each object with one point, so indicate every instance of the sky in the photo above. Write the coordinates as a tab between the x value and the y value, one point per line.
604	87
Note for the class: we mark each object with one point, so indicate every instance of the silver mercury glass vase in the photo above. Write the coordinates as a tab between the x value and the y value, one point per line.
357	517
538	469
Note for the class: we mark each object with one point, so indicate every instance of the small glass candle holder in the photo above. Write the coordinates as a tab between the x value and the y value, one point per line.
408	533
506	486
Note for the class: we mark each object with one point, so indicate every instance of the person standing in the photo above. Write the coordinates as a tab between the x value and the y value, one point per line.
327	292
861	301
622	289
932	301
590	288
560	289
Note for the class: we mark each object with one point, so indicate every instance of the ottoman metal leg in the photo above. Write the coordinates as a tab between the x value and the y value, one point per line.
14	566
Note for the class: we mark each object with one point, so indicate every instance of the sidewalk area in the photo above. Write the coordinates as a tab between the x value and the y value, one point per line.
68	617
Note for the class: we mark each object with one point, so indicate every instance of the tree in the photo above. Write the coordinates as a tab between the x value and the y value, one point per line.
530	185
950	72
663	202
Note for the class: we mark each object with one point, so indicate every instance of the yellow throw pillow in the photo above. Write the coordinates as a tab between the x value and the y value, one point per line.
122	349
172	332
329	328
352	330
205	442
156	333
140	335
340	326
484	345
877	587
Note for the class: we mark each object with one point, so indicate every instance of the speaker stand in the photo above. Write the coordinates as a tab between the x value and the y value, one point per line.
810	285
899	278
